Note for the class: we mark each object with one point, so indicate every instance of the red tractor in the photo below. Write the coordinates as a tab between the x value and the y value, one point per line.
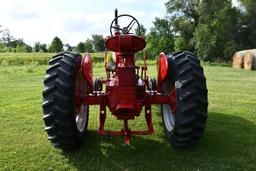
69	90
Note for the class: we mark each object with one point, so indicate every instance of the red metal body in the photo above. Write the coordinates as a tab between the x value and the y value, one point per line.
87	69
162	65
126	88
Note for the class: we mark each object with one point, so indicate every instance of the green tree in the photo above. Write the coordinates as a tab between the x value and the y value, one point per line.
216	35
80	47
160	38
143	31
38	47
180	44
88	46
98	42
188	9
6	37
18	45
184	18
68	47
213	29
23	48
248	23
56	45
9	44
43	47
2	47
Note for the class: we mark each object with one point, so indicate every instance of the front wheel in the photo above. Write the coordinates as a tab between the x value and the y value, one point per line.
185	120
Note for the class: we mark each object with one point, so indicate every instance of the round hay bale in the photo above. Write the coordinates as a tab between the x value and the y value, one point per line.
253	52
238	60
248	61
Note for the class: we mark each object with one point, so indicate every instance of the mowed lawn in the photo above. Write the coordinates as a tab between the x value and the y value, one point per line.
229	142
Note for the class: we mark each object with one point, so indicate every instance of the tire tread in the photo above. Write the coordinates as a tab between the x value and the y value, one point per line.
192	101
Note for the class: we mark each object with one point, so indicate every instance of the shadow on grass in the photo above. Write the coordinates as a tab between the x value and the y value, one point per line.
228	143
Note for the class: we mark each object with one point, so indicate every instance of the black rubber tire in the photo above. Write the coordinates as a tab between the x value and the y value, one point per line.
58	101
97	86
186	74
152	84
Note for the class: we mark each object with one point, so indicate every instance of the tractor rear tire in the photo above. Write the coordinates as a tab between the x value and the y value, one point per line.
185	125
60	114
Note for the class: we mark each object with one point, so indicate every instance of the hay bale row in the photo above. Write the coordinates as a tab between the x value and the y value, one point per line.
245	59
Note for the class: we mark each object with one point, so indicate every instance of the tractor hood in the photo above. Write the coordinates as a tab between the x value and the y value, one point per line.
125	43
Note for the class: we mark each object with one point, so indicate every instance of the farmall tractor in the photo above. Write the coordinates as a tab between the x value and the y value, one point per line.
70	89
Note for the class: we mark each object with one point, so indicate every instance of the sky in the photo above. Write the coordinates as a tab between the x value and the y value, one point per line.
72	21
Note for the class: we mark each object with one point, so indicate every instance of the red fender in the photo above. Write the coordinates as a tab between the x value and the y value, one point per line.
125	43
162	65
87	69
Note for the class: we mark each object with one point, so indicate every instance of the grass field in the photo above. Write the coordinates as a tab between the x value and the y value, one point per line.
229	142
19	59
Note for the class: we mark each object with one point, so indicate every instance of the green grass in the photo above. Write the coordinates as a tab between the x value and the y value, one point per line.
18	59
229	142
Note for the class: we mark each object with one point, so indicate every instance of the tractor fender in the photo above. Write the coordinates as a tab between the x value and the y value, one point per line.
125	43
87	69
162	67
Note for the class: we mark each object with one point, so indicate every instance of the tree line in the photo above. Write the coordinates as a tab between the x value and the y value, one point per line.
213	29
96	44
9	44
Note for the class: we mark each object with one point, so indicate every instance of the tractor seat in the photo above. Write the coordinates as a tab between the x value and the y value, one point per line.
111	66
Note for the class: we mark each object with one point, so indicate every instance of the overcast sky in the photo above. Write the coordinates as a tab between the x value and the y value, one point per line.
72	21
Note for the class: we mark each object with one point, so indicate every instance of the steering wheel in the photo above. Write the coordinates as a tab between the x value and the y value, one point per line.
127	29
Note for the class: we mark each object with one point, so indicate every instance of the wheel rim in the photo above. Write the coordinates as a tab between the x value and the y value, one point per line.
169	110
81	118
81	110
169	118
